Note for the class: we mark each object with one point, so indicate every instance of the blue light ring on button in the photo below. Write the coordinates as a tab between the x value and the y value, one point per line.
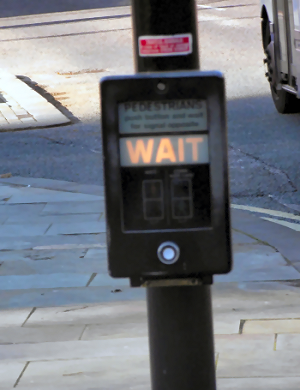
164	251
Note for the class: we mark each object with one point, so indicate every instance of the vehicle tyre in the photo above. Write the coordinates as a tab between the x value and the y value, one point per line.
285	102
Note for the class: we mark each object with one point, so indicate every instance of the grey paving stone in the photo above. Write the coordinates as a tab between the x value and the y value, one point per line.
51	219
12	318
288	342
241	364
75	349
76	207
106	280
96	253
99	313
21	210
25	242
285	240
66	296
17	230
277	383
17	267
225	325
255	300
258	262
287	325
240	343
116	330
44	267
45	196
109	373
9	372
240	238
17	335
90	189
76	228
57	185
57	280
42	255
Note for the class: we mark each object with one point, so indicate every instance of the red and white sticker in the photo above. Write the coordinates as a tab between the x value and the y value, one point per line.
165	45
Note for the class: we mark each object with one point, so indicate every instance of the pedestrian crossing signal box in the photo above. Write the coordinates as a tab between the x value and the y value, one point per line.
166	182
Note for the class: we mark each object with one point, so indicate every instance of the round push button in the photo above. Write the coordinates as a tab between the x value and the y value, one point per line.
168	252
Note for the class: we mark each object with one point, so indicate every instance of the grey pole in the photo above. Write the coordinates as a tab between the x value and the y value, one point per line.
179	317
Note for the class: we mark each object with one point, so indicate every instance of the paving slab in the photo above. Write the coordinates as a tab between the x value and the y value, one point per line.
285	240
22	211
224	325
96	253
259	262
17	230
255	300
76	228
9	372
55	280
15	268
42	267
240	238
286	325
277	383
53	219
19	335
238	364
118	329
76	207
45	196
65	350
14	317
58	185
288	342
42	255
89	314
111	373
67	296
106	280
49	242
24	108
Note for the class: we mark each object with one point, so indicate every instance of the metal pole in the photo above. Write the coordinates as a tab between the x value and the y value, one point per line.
179	318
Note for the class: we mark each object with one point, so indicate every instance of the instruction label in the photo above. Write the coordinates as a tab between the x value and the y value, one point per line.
162	116
165	45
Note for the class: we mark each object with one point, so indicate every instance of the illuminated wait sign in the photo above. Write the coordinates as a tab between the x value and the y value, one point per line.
179	150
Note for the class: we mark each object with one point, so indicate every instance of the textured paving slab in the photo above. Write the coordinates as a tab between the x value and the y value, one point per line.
24	108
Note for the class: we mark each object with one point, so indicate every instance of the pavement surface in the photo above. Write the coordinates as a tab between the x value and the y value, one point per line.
66	324
21	107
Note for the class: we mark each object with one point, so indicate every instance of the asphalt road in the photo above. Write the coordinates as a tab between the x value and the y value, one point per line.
67	60
31	7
